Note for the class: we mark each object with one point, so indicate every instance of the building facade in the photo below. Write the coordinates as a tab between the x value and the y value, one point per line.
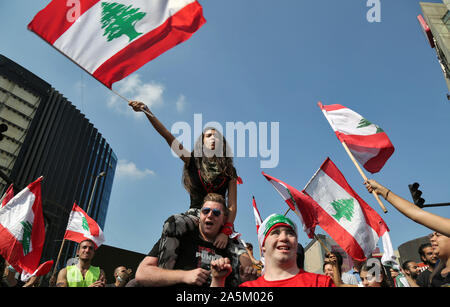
47	136
436	25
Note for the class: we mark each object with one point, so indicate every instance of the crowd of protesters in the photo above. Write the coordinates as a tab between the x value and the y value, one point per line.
198	248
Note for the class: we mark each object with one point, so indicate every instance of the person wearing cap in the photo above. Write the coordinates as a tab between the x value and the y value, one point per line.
278	238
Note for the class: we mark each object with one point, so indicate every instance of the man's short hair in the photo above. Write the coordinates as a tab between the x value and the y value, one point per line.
218	199
422	247
405	264
86	240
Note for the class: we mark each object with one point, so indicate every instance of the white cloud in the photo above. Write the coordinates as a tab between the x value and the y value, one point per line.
181	103
126	169
133	88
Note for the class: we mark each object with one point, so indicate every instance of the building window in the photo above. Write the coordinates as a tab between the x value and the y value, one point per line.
446	19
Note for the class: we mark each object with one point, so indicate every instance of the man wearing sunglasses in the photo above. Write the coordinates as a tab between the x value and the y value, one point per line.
196	251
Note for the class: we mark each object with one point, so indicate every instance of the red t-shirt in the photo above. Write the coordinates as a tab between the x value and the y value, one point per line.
302	279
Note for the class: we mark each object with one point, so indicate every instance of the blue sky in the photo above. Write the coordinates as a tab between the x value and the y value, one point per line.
263	61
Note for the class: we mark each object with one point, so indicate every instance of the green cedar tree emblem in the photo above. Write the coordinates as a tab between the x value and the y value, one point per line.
118	20
292	198
26	238
85	224
364	123
344	208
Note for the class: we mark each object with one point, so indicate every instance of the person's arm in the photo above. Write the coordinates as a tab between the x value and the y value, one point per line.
31	282
221	240
418	215
101	280
176	146
149	274
62	278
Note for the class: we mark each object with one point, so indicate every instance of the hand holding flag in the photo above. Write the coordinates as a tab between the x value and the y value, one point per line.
362	140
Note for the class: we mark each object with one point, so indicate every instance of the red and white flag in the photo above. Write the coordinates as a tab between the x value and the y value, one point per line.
82	227
369	144
298	202
258	220
9	194
112	39
345	216
22	232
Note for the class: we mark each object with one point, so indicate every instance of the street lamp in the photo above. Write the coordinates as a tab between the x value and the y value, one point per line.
102	174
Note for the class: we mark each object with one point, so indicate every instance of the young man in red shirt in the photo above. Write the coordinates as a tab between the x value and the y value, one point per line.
278	238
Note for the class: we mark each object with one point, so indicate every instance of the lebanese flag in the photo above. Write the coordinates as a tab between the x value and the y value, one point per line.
345	216
82	227
298	202
258	220
369	144
112	39
22	231
9	194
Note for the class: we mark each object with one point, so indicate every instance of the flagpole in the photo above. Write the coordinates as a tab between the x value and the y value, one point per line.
321	243
59	256
363	175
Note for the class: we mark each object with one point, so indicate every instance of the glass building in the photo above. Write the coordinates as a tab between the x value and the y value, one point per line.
47	136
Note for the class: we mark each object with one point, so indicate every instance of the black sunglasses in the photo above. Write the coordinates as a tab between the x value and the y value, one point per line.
216	212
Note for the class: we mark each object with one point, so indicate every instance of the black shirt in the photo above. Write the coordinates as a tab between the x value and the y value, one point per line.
423	280
439	280
194	252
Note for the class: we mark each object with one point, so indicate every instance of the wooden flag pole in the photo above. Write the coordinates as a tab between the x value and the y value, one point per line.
148	113
321	243
363	175
59	256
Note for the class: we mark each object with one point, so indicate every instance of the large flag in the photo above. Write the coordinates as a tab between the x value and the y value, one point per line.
9	194
82	227
369	144
298	202
22	232
111	39
345	216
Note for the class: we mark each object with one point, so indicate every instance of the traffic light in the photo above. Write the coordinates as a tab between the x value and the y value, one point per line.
416	193
3	129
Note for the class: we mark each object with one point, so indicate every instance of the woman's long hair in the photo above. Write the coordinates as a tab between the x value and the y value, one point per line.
436	270
221	155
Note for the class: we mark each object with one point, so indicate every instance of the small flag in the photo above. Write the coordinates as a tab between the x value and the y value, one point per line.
345	216
82	227
258	220
368	142
298	202
9	194
112	39
22	230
